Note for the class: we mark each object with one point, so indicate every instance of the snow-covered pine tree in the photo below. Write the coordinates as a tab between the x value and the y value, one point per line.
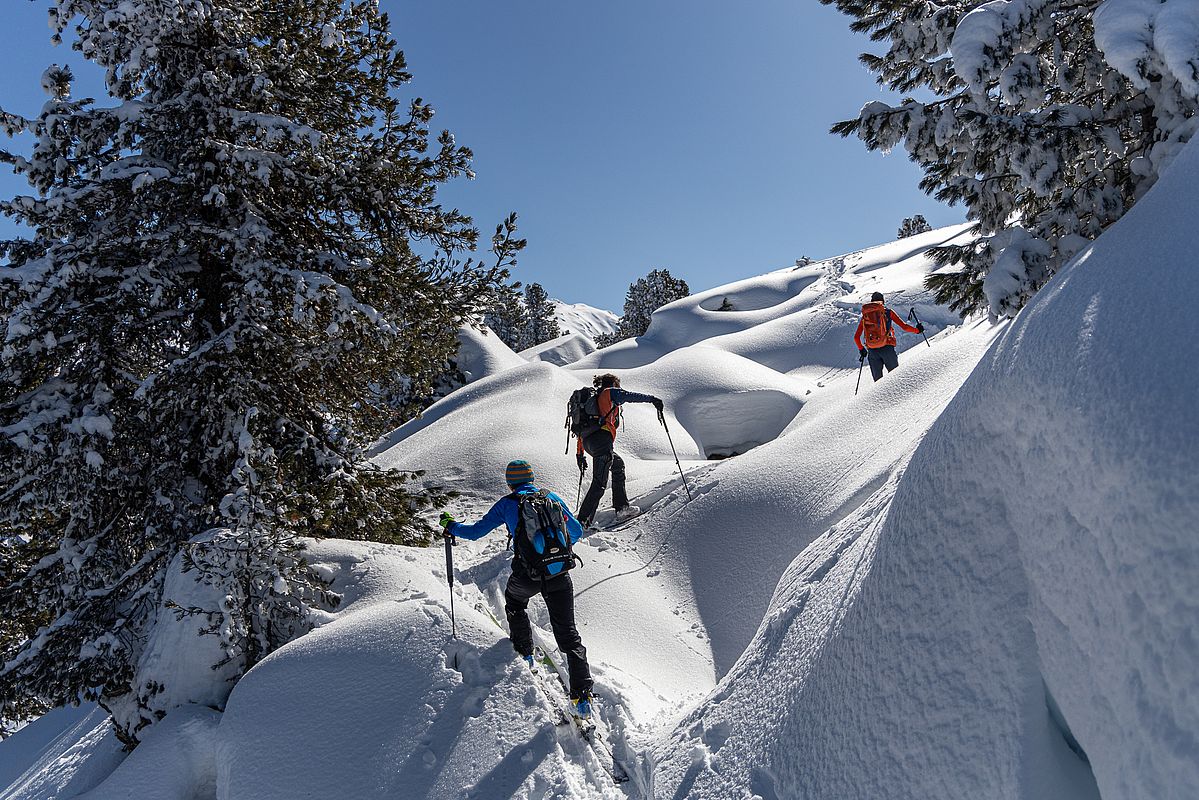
542	324
1051	118
506	315
645	296
219	270
912	226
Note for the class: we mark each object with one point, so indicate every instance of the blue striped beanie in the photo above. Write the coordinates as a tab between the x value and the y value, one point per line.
518	472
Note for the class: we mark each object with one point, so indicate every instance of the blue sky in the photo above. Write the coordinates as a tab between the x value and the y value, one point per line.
690	135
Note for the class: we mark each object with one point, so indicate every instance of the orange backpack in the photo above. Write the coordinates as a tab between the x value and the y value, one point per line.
876	325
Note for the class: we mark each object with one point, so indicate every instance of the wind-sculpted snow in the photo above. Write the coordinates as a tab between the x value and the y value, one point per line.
666	604
797	318
561	351
1013	616
734	541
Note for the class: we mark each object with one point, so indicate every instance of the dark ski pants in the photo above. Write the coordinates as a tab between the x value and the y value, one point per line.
601	448
880	357
559	596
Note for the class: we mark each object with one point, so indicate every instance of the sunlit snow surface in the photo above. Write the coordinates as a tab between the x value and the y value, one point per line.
953	584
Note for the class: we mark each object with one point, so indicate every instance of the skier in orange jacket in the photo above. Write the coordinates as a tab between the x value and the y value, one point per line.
877	325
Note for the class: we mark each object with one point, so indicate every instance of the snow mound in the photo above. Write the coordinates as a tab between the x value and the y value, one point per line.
382	703
588	320
1010	615
560	351
176	761
481	354
753	514
177	667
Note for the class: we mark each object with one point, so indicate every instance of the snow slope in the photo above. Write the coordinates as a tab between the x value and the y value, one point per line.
1012	615
587	320
849	607
665	605
62	754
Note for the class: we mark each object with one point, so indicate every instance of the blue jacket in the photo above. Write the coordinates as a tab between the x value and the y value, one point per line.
620	396
507	511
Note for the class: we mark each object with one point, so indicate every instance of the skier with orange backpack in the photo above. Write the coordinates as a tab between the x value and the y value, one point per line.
877	327
593	415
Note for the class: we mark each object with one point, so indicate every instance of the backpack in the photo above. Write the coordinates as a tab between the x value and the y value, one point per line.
876	325
582	412
541	538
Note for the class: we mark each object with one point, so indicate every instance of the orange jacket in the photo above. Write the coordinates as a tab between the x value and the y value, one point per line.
609	414
875	306
609	401
609	411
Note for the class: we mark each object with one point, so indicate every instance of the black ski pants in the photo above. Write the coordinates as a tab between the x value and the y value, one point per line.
559	596
601	448
880	357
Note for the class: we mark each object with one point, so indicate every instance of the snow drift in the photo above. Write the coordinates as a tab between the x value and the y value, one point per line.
1017	620
560	351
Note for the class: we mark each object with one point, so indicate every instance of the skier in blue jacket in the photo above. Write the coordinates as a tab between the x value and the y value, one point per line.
557	590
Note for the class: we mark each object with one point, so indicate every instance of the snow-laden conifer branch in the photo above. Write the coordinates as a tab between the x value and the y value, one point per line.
1053	119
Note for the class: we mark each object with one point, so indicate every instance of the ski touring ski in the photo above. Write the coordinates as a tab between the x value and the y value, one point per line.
587	730
557	697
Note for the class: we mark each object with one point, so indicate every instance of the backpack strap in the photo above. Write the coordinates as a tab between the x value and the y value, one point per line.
515	497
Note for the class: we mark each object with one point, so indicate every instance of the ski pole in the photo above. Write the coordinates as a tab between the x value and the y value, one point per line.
449	572
580	494
662	419
913	318
861	363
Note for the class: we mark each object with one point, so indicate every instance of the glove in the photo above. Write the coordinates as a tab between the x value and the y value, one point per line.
861	353
582	459
446	521
658	404
919	327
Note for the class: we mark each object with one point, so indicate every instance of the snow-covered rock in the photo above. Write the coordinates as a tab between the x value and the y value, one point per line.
178	667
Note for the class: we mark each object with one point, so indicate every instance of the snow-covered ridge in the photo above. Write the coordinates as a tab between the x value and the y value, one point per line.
587	320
